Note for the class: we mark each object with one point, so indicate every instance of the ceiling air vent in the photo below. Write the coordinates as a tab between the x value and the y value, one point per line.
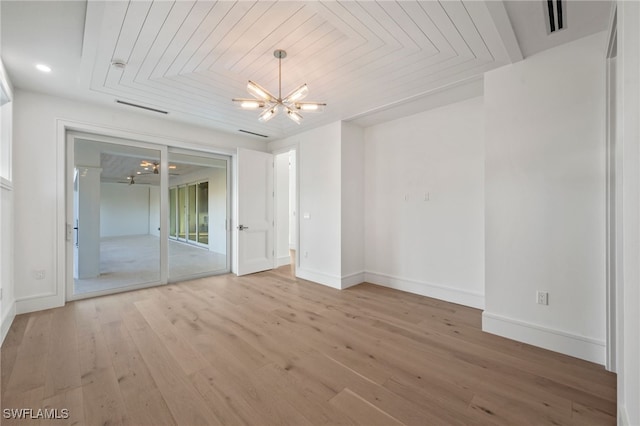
251	133
141	107
556	19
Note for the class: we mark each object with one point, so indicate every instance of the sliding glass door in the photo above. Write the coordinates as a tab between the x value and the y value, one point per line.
140	216
116	217
199	246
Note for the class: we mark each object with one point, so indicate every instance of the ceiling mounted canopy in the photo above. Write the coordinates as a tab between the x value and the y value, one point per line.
272	105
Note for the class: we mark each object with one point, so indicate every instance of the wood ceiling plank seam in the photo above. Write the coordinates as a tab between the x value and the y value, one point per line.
395	31
303	43
451	10
345	10
175	19
449	75
324	56
220	44
384	15
163	60
132	24
361	73
137	96
266	44
115	46
224	22
477	30
394	9
490	32
337	20
264	36
369	22
409	75
182	90
324	44
306	31
148	34
213	26
163	97
436	35
298	69
194	31
243	24
154	41
468	29
439	16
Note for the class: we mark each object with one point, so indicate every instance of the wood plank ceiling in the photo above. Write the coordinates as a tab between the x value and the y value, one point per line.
191	57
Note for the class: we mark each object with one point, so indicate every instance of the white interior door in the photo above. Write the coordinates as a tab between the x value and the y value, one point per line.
255	226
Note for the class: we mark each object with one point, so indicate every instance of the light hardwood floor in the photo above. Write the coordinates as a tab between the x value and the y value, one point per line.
268	349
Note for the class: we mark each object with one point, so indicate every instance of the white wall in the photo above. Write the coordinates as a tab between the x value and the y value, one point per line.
39	179
124	210
282	209
293	200
7	283
320	209
545	194
352	202
424	207
628	312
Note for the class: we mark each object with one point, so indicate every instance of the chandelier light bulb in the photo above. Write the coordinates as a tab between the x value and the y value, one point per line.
290	104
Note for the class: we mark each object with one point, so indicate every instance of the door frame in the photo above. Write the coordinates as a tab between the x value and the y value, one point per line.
71	137
296	150
613	196
64	229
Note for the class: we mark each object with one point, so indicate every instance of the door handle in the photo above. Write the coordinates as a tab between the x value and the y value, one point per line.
242	227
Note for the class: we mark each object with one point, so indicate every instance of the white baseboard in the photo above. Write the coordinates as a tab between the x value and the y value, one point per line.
352	279
7	320
282	261
38	303
319	277
332	281
555	340
449	294
623	415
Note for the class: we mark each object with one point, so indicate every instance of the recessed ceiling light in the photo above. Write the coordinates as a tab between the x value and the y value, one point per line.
43	68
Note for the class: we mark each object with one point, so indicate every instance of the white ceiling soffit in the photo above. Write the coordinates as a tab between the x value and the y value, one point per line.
581	18
190	58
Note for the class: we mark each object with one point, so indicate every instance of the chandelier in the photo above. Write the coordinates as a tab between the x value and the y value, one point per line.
271	105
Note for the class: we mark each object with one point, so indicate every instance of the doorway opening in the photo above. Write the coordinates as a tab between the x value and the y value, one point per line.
142	214
286	209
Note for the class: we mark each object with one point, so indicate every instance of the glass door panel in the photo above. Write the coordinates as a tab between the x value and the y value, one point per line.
203	210
202	220
172	213
192	217
116	217
182	212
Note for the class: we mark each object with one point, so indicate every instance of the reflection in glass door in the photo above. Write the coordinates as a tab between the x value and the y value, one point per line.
203	209
200	245
192	218
116	217
173	193
182	213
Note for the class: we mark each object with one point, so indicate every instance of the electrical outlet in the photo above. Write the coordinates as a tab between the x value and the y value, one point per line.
542	297
39	274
